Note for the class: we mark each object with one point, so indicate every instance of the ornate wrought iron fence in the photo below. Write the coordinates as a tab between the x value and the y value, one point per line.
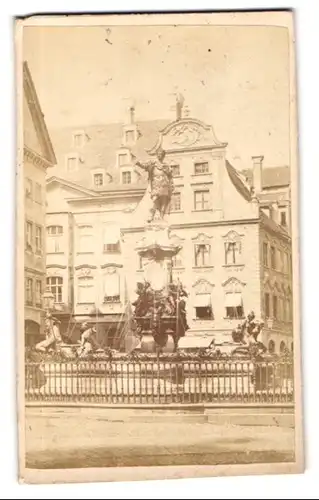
156	381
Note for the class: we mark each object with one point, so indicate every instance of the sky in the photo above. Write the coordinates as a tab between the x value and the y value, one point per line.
233	78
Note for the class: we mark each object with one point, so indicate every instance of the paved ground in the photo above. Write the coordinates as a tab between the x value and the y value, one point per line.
74	439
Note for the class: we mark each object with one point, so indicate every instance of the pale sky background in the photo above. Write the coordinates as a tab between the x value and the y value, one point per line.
233	78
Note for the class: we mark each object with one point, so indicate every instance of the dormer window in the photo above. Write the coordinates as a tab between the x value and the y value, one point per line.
78	139
98	180
126	177
129	136
123	159
72	162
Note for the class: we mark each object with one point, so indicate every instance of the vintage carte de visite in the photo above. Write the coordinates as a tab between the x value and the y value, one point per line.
157	261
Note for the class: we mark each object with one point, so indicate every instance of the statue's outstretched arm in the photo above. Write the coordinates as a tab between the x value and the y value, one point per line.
147	165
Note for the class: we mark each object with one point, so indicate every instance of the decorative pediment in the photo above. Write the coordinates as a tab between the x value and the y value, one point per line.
56	266
233	236
233	284
176	239
187	133
85	271
202	238
54	270
111	268
203	286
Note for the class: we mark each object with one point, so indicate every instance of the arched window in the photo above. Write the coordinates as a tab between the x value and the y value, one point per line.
271	347
55	284
282	347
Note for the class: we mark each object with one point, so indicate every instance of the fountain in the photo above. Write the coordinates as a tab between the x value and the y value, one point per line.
159	313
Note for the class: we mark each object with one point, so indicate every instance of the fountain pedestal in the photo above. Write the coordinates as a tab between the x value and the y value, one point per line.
157	250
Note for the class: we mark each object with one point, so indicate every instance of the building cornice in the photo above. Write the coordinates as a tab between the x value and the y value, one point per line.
194	225
105	266
34	271
84	266
109	195
36	159
55	266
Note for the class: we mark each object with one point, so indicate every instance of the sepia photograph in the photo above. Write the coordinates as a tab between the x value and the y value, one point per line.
157	261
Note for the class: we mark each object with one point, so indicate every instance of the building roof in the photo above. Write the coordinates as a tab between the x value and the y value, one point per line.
238	181
37	115
270	224
272	177
99	151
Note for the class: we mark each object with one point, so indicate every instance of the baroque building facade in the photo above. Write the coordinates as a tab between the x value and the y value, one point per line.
235	256
38	157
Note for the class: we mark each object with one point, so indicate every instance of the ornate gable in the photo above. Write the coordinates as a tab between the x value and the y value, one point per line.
233	285
203	286
233	236
202	238
187	133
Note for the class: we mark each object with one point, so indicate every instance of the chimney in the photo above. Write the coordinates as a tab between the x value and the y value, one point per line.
257	173
131	114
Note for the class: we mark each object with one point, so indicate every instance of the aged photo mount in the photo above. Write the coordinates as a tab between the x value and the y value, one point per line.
158	289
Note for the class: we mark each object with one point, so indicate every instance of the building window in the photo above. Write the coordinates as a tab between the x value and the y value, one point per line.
55	284
86	293
72	163
234	305
85	239
275	306
78	140
98	180
38	239
177	260
54	240
141	262
175	202
280	312
129	136
201	168
271	347
289	311
38	293
283	218
203	306
201	200
122	159
273	257
29	235
267	305
126	177
112	288
282	347
176	171
29	291
111	239
28	189
112	247
202	255
285	262
38	193
232	251
265	254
